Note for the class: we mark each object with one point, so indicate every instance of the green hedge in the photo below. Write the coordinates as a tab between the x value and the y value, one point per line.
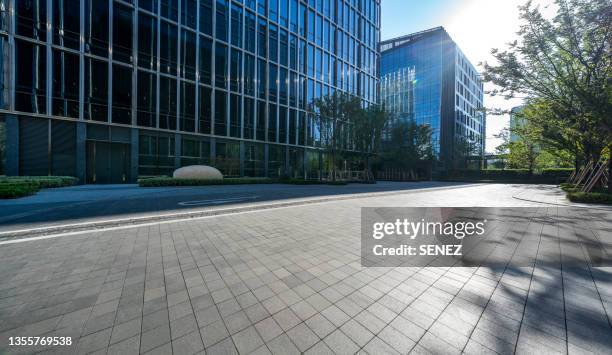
546	175
590	197
17	189
168	181
19	186
43	181
557	172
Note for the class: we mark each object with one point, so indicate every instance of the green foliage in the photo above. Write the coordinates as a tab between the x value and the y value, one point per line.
557	172
19	186
17	189
518	175
562	67
168	181
590	197
335	113
409	147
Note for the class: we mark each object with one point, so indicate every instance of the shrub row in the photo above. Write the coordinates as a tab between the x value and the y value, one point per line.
546	175
590	197
17	189
19	186
168	181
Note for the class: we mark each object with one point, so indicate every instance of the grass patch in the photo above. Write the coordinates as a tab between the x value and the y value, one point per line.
590	197
20	186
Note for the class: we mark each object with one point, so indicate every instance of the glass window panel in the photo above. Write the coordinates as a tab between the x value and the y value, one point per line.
205	107
273	55
249	118
249	75
205	60
122	33
31	19
149	5
222	20
262	7
260	133
169	9
283	85
283	47
206	16
235	106
236	25
189	13
96	90
187	107
147	41
221	65
146	99
292	126
250	32
293	52
236	70
167	103
96	27
65	84
168	48
273	8
66	23
282	124
272	82
220	113
262	78
122	94
188	54
284	13
30	77
272	124
262	41
293	26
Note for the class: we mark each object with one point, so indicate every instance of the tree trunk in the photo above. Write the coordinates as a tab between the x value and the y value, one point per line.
610	170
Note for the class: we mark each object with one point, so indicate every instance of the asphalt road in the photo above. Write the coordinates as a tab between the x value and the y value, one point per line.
98	202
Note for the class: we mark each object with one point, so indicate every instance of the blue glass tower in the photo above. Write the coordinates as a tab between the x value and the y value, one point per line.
425	77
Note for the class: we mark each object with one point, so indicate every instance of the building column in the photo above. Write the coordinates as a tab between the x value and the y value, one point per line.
177	150
134	147
12	145
81	152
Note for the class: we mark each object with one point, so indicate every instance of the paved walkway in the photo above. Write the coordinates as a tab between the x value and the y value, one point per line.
289	280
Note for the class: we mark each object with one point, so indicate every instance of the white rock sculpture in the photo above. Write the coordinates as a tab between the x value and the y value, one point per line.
204	172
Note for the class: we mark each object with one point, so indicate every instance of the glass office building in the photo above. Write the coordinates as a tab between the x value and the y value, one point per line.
111	90
425	77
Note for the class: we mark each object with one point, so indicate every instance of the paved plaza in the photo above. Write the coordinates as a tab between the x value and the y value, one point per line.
288	280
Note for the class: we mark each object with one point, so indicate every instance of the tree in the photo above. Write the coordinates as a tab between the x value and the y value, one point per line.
335	113
368	128
409	147
565	64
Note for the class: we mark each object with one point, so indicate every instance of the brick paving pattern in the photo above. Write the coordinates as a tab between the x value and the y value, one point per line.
289	281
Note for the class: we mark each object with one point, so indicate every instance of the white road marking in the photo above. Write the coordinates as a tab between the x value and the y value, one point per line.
217	201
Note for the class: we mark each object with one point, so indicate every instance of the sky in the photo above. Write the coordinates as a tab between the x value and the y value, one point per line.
476	26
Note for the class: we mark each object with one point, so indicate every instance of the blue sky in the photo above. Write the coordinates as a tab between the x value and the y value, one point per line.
475	25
